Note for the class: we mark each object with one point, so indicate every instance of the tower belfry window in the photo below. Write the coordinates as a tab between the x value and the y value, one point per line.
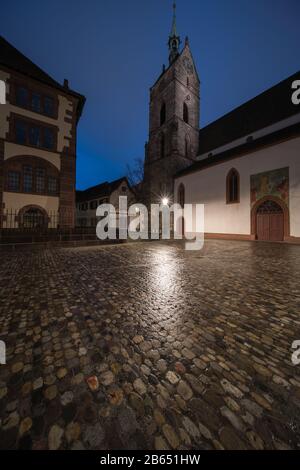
185	113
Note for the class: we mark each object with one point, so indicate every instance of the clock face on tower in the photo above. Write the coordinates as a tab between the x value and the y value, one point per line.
188	65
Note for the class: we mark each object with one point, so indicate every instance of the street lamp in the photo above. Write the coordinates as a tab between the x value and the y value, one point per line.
165	201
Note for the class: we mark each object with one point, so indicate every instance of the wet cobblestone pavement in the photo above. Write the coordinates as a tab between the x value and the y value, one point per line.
148	346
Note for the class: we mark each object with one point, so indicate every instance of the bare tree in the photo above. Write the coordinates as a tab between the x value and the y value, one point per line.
135	176
135	172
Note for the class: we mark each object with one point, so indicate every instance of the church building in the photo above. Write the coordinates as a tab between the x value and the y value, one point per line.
244	167
174	121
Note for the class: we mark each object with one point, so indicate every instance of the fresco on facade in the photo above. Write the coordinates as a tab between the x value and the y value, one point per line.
270	183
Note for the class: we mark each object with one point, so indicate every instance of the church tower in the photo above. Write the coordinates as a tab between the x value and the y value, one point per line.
174	120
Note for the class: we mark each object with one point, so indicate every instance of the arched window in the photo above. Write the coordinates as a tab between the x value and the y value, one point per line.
181	195
233	187
163	114
185	113
30	174
33	217
162	146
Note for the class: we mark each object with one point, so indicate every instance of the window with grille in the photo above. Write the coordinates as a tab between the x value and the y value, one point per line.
48	141
13	181
35	101
28	179
34	134
40	180
48	106
52	185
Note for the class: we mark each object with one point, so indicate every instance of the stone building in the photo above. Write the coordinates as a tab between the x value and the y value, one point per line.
244	167
173	120
88	200
38	125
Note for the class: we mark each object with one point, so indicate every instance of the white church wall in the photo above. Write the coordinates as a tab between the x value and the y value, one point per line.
208	187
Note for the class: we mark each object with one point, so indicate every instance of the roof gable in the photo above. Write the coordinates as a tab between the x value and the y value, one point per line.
100	190
271	106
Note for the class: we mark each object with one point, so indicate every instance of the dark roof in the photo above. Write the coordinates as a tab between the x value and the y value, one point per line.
101	190
11	58
269	107
244	149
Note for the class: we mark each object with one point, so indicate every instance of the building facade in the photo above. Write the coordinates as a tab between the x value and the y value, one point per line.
247	173
244	167
38	126
88	201
173	121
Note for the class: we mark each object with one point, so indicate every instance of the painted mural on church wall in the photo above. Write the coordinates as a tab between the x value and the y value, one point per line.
270	183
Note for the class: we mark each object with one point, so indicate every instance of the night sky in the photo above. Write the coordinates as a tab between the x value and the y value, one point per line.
113	51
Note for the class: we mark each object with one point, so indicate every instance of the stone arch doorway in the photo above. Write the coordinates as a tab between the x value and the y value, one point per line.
270	220
33	217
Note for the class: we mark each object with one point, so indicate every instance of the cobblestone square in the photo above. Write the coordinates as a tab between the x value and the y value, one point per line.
149	346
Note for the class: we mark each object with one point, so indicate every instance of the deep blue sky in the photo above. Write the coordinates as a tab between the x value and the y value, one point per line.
113	51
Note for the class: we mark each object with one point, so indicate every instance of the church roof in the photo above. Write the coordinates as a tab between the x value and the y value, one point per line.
13	59
270	107
243	149
100	190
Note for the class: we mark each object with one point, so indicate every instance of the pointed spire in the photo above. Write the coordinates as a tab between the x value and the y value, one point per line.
174	29
174	39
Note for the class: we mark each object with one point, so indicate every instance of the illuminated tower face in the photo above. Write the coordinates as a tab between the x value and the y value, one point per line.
173	121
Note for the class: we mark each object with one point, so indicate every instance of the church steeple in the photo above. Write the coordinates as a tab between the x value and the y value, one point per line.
174	39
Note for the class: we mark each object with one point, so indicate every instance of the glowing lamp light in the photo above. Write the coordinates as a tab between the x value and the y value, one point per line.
165	201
